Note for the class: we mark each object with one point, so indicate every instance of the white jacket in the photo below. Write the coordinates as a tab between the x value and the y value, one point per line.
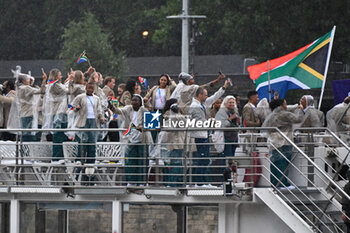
197	112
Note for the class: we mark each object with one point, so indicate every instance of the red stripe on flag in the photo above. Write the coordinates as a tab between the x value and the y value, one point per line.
255	71
126	131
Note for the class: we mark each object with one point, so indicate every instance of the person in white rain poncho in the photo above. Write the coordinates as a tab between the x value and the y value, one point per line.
262	110
27	98
312	117
185	91
55	110
283	120
77	86
338	118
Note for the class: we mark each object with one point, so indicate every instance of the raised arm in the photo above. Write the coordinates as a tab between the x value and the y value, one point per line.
212	83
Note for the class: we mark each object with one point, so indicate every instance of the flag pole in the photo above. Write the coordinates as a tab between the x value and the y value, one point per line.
326	68
268	78
89	62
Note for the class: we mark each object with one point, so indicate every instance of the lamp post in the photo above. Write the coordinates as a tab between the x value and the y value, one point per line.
185	40
145	44
145	34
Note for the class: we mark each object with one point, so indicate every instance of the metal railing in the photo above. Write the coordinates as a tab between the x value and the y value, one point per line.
31	164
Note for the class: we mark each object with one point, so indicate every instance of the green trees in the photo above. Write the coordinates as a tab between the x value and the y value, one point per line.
87	34
261	28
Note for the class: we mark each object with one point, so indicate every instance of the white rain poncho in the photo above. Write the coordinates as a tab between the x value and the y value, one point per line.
55	105
176	92
24	108
183	92
183	79
311	117
284	121
262	110
338	118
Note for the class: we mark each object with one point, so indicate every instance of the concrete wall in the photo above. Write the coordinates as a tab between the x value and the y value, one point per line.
161	218
259	218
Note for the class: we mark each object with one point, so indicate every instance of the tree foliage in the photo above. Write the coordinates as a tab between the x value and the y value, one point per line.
260	28
87	34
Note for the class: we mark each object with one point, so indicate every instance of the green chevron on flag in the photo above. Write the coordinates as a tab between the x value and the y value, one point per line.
304	68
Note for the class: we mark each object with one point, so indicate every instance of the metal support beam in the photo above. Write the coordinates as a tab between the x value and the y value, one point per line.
117	214
62	221
40	220
228	218
184	47
181	215
5	217
14	216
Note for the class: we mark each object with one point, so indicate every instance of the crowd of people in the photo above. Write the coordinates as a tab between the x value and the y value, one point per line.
80	101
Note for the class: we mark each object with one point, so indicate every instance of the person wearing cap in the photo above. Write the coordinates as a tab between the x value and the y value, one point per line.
187	90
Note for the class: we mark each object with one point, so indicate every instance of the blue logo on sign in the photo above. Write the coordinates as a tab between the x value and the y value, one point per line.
151	120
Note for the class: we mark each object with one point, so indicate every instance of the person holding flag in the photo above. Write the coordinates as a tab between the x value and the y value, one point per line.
83	58
143	82
137	150
77	86
89	112
54	112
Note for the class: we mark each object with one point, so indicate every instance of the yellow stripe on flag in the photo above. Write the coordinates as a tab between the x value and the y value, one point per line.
312	71
318	47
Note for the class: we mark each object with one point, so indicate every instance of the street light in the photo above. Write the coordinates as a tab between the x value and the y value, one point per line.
144	34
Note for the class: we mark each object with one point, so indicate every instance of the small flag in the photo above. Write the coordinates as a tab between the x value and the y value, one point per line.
115	102
128	130
82	58
53	81
143	82
304	68
70	107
